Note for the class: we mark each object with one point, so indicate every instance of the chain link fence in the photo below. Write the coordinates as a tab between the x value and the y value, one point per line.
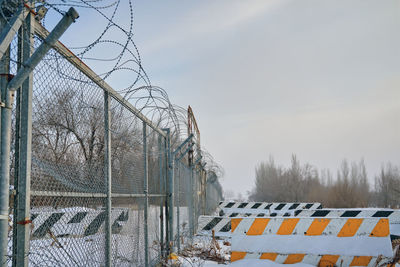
196	193
98	189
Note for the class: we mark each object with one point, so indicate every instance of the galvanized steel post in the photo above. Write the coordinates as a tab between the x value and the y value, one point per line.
161	177
107	177
191	204
8	98
21	231
166	202
195	197
170	180
5	171
178	202
5	157
146	198
11	27
41	51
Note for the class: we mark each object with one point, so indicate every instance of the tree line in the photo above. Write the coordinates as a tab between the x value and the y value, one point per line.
349	188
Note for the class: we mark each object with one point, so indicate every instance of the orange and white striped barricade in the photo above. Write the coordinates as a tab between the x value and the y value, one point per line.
392	214
229	207
315	241
221	225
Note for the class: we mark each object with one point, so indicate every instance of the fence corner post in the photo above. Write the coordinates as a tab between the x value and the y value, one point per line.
4	159
22	179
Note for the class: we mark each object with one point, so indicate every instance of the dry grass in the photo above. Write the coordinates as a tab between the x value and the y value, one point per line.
396	258
210	252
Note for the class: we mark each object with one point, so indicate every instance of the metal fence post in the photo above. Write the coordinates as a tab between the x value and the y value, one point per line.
8	98
191	201
5	159
166	202
107	177
30	64
16	175
193	193
5	172
146	198
178	203
203	191
23	180
170	190
162	190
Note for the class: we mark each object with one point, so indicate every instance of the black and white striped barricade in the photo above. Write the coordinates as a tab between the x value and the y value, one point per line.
220	225
315	241
79	223
227	207
262	213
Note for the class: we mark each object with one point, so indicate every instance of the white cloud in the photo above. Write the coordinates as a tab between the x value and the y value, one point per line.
209	18
305	77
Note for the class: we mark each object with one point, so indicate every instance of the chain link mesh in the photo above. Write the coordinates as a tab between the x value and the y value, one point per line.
67	165
68	181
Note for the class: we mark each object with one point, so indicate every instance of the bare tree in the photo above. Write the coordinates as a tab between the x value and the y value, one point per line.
68	143
305	183
387	186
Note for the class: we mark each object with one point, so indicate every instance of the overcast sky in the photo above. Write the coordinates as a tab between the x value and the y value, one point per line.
320	79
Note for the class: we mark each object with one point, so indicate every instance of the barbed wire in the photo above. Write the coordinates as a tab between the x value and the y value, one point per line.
123	58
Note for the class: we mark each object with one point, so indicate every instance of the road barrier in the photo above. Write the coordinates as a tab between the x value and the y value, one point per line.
261	207
221	224
316	241
392	215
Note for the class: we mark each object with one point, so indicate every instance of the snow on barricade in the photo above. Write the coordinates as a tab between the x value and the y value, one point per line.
257	207
315	241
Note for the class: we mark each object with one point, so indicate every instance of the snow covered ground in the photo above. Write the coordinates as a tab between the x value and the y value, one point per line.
128	245
203	251
245	262
256	263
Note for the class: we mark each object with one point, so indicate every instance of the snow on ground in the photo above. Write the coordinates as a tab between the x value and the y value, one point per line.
257	263
247	263
203	251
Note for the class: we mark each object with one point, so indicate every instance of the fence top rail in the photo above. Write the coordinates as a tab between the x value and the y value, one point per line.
79	64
